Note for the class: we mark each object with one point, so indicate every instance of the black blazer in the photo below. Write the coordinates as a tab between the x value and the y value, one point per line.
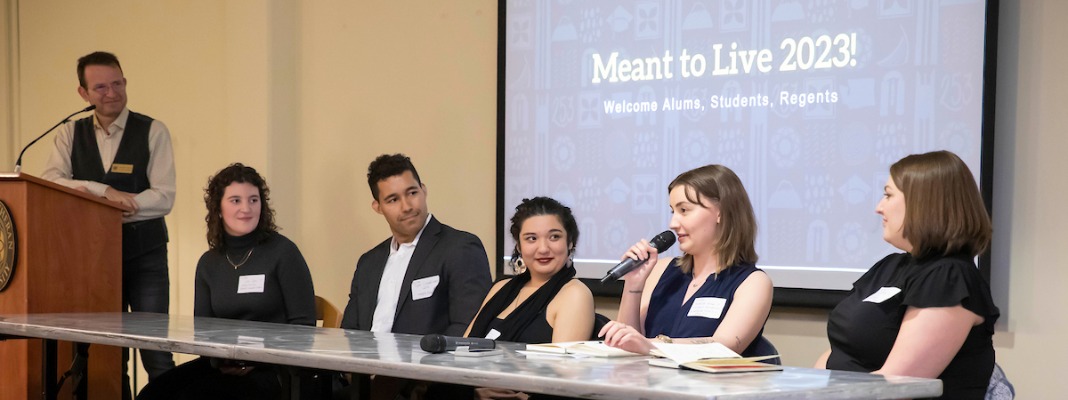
456	257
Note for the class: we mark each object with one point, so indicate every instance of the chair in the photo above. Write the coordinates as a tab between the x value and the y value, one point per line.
999	388
327	312
765	348
299	383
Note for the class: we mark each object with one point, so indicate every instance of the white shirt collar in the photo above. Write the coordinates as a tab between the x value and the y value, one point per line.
393	245
119	122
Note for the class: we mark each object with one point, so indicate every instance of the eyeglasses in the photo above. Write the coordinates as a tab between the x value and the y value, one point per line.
117	86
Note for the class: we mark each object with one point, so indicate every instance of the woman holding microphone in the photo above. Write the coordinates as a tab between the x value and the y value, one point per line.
713	292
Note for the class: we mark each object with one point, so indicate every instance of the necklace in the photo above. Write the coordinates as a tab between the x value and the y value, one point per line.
243	260
697	283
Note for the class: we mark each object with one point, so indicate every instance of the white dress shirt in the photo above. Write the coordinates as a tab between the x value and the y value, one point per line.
155	201
400	255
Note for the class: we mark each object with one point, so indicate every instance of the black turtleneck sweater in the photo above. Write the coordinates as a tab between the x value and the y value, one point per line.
287	295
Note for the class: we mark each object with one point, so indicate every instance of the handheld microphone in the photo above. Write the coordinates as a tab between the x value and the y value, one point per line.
18	163
660	242
438	343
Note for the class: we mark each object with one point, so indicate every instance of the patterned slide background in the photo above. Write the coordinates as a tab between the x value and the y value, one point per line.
809	102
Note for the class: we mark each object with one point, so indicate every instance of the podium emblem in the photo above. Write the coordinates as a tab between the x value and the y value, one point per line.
7	246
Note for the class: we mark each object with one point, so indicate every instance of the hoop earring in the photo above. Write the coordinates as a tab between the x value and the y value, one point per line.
519	266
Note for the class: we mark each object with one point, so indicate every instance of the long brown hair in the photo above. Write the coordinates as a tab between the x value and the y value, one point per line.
213	196
735	239
944	212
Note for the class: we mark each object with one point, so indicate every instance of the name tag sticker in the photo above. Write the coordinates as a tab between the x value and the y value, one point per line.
423	288
493	334
251	283
707	307
122	168
883	294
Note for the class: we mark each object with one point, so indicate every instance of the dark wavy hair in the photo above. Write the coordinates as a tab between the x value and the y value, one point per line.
736	236
944	211
96	58
388	165
543	206
213	196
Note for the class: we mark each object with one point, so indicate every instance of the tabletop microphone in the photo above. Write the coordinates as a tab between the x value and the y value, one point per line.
18	163
660	242
438	343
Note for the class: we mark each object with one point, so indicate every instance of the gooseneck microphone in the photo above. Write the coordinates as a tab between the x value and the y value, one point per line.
660	242
438	343
18	163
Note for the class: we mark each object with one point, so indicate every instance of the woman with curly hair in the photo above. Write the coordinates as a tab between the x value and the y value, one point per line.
250	272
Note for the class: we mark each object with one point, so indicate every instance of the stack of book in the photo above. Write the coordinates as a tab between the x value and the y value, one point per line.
708	357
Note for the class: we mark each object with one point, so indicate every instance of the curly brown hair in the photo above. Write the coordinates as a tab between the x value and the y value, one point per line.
386	166
213	196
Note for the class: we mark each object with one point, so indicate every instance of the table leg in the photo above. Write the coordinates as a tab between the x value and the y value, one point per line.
80	371
49	391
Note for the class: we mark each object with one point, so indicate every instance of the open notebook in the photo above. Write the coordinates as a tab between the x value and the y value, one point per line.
708	357
591	348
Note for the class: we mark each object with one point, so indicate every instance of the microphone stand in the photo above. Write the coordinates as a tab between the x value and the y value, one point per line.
18	163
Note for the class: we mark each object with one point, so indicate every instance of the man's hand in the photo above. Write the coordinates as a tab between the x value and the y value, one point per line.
124	198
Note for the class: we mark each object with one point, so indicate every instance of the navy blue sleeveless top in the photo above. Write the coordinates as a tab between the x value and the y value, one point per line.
665	316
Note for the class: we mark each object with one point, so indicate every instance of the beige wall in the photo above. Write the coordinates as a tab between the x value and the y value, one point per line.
310	92
8	79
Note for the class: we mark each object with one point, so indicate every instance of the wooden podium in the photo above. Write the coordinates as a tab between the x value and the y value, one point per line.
68	259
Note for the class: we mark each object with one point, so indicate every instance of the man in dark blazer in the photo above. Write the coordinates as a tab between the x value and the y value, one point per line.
427	277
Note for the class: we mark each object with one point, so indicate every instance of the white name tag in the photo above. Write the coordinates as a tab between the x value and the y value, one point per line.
883	294
251	283
423	288
493	334
707	307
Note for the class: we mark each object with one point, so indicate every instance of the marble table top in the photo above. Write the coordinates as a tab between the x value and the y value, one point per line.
399	355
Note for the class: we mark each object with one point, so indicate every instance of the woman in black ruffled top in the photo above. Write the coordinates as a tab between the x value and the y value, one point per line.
926	312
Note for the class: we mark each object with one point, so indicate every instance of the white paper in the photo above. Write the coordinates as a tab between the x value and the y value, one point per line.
883	294
707	307
423	288
251	283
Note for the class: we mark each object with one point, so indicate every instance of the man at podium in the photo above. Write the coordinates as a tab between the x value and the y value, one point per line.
127	158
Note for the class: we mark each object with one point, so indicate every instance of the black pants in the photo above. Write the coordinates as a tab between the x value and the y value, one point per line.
146	286
199	380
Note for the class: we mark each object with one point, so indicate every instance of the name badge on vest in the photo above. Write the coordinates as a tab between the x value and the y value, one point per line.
122	168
